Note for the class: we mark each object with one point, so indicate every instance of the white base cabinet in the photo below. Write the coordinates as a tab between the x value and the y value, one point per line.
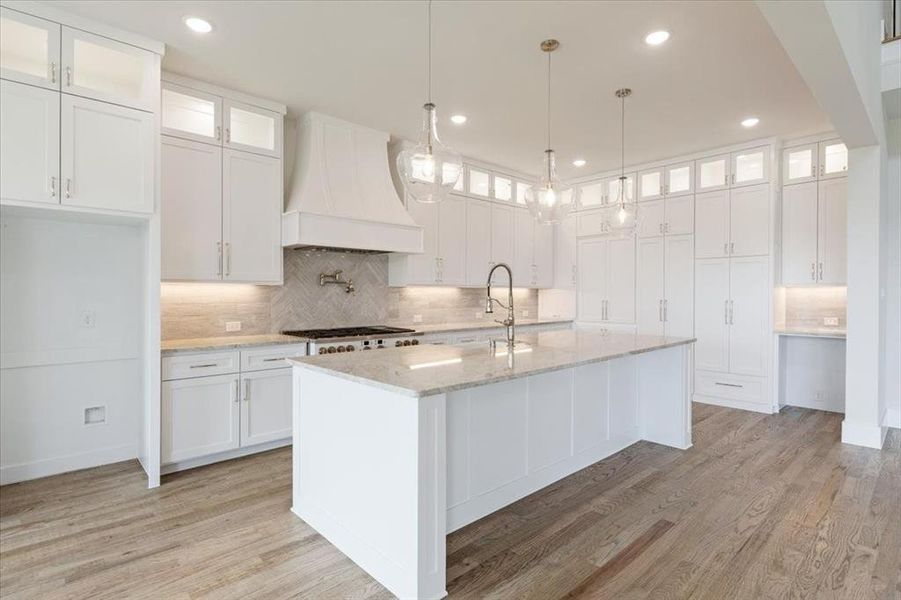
265	406
200	416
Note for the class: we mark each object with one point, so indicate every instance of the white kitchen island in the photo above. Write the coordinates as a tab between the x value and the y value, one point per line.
395	448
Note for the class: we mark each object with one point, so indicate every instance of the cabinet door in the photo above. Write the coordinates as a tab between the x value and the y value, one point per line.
252	128
749	306
29	49
104	69
593	194
712	314
478	241
712	173
649	287
190	114
543	255
832	230
653	217
29	143
565	254
592	258
502	234
592	222
833	159
523	245
799	233
251	217
422	268
750	167
613	189
680	179
199	417
621	281
265	406
107	156
191	210
750	221
679	286
799	164
712	224
452	240
680	215
650	184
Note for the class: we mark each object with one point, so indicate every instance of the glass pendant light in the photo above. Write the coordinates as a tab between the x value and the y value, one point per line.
429	170
549	199
624	220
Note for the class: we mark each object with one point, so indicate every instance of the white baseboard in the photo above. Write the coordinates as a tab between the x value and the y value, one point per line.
863	434
728	403
893	418
64	464
202	461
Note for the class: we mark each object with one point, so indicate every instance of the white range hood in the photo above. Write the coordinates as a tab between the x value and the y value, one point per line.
341	194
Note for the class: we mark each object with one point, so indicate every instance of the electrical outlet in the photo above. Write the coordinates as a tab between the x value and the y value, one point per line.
830	321
88	319
417	318
233	326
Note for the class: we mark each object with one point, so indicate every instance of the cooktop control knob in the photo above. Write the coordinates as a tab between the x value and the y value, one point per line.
414	342
350	348
340	348
398	343
322	351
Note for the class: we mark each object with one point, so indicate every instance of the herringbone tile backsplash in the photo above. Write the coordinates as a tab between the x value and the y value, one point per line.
192	310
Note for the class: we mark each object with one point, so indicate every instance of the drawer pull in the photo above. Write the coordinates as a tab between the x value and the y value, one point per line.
273	359
735	385
205	366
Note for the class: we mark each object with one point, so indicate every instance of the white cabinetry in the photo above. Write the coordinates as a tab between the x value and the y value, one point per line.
29	143
29	49
606	276
565	255
200	416
265	406
670	216
819	160
733	222
543	255
533	252
502	234
478	241
665	286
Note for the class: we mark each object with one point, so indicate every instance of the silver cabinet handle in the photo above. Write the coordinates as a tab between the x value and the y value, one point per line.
52	72
218	132
733	178
53	187
731	312
725	248
822	170
246	390
237	390
733	385
204	366
821	272
666	227
726	312
68	188
219	253
228	135
660	310
813	271
228	259
273	359
665	303
813	170
69	76
731	247
661	191
660	227
666	189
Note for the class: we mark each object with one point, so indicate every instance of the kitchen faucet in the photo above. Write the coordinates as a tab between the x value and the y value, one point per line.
510	321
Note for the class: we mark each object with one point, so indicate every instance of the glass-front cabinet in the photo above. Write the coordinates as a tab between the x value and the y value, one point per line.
613	189
251	128
479	182
650	184
799	164
833	157
750	167
592	194
29	49
191	114
712	173
503	188
679	179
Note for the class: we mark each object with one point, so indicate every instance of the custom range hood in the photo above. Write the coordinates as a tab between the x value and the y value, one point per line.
341	195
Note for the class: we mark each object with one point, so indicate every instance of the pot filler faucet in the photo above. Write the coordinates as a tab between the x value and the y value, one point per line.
335	278
509	322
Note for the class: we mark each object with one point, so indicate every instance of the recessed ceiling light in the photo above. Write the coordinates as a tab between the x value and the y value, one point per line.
579	162
458	119
655	38
198	25
750	122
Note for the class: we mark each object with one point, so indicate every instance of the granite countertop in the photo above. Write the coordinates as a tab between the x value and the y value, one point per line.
436	369
229	342
424	329
828	332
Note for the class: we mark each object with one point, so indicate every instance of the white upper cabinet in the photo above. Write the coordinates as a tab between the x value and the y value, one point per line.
679	179
191	114
104	69
799	233
421	269
613	188
833	158
523	245
680	215
452	241
251	128
478	241
593	194
712	224
592	276
29	144
650	184
565	254
502	234
29	49
543	255
750	167
502	188
799	164
479	183
750	221
251	224
653	219
107	156
522	189
712	173
832	232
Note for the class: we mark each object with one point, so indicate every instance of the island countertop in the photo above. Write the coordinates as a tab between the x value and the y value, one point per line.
428	369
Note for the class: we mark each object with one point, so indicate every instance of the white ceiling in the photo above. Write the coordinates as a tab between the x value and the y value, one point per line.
365	62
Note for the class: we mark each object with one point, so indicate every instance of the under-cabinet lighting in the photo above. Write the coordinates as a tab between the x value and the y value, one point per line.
436	363
750	122
655	38
198	25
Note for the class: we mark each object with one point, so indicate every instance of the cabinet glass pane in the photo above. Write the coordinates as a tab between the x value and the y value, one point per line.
503	188
107	70
835	158
679	179
521	190
713	173
613	189
478	183
800	163
189	114
748	167
452	172
459	185
593	195
23	48
650	184
251	129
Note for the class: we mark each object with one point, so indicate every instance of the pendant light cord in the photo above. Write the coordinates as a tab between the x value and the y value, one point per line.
430	52
622	144
548	100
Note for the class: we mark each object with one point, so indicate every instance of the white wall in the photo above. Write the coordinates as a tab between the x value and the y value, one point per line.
812	373
891	257
57	277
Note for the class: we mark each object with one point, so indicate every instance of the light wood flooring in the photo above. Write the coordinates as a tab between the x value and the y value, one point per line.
761	507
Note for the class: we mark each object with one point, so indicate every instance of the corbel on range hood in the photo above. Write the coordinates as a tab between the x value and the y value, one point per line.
341	195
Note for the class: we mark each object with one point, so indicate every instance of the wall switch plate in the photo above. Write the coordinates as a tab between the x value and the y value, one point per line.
417	318
233	325
88	319
830	321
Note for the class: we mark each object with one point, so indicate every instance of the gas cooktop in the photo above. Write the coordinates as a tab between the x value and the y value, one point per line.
340	332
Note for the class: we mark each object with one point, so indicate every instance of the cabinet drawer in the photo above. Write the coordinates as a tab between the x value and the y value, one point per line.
733	387
199	365
270	357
